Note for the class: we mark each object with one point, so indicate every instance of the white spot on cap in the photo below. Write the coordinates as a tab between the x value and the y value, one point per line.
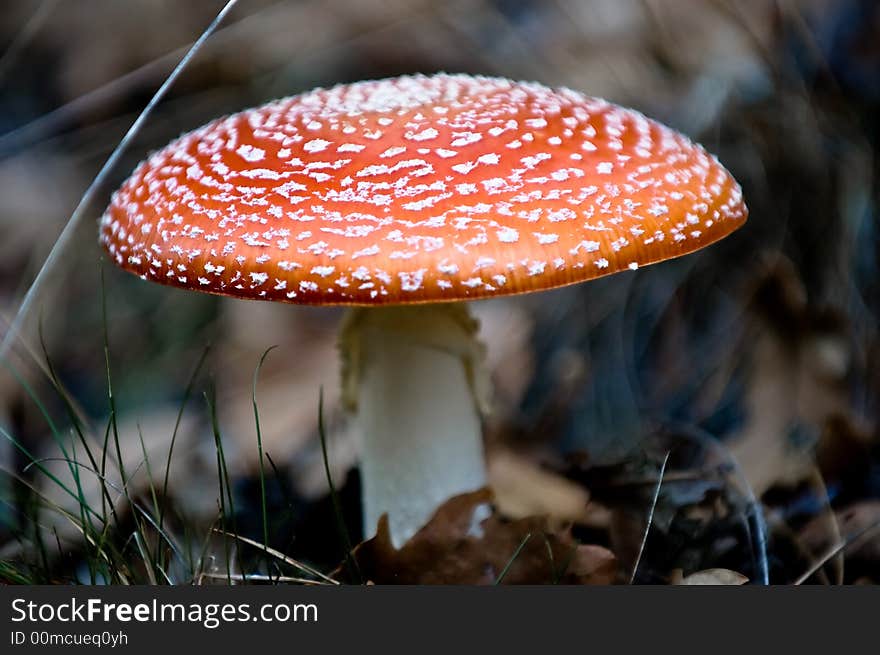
588	246
465	138
507	235
259	278
250	153
544	239
536	268
424	135
393	151
411	281
316	145
366	252
464	168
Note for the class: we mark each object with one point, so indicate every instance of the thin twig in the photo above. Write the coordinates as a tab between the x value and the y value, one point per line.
259	577
281	556
73	222
635	569
838	548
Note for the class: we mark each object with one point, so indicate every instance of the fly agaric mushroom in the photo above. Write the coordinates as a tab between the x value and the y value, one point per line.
402	198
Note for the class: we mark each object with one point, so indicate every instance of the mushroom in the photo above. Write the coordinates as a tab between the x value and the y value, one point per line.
402	198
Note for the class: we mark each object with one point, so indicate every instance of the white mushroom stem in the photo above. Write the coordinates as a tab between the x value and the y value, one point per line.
413	376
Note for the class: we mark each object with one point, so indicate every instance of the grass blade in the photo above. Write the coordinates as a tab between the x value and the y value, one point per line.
350	559
282	557
513	558
186	394
260	446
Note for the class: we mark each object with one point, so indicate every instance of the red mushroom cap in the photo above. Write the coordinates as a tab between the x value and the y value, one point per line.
417	189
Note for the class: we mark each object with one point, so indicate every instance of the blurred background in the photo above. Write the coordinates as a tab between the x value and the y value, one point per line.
741	382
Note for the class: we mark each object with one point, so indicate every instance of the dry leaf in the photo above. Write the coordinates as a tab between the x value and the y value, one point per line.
446	552
523	489
710	577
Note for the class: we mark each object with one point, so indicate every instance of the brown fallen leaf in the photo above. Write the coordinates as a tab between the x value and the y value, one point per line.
446	551
524	489
709	577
